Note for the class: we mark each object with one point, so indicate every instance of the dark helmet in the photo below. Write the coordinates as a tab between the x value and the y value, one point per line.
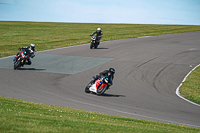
112	70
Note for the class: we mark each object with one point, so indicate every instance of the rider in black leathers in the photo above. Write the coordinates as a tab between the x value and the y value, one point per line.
99	34
107	74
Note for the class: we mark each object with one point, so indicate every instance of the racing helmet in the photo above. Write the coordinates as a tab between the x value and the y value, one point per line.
98	29
32	46
112	70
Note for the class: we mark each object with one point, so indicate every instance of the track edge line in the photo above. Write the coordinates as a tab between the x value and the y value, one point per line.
178	88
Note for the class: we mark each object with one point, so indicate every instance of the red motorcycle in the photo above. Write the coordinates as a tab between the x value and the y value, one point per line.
20	59
99	87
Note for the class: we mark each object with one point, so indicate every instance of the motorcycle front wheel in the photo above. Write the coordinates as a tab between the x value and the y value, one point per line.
16	64
100	90
91	45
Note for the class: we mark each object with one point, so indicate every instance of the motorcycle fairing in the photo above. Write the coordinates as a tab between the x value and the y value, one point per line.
94	86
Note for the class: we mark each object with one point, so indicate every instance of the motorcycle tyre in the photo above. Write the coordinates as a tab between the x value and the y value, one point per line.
16	64
95	45
99	93
87	88
91	45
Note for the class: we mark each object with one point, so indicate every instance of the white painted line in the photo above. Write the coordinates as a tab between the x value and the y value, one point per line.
8	57
177	90
49	50
63	48
128	113
145	36
70	47
123	112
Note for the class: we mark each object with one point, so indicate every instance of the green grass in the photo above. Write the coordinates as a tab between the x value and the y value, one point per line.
22	116
191	87
55	35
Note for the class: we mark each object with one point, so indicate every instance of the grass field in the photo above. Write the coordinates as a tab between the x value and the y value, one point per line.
22	116
191	87
55	35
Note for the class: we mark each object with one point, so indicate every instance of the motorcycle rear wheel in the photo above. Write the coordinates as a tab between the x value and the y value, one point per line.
87	87
95	45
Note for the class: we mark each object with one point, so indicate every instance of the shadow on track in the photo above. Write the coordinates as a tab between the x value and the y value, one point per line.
112	95
108	95
33	69
101	48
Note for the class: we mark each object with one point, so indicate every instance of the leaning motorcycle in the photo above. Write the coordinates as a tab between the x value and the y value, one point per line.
20	59
94	43
99	87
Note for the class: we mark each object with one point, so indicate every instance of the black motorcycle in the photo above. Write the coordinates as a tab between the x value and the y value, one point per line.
94	42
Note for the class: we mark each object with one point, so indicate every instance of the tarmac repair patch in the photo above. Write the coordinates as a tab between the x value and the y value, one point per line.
57	63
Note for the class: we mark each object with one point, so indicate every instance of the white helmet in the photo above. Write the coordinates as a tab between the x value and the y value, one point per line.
98	29
32	45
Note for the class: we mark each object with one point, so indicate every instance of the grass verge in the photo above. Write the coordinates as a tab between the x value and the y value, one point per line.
55	35
191	87
22	116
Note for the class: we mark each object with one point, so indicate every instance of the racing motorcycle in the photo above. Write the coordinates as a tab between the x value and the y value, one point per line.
20	59
99	87
94	43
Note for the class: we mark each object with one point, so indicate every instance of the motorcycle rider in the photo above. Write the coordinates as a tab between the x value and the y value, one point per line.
107	74
28	50
98	33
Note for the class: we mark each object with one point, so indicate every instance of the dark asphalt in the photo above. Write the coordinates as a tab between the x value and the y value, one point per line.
148	71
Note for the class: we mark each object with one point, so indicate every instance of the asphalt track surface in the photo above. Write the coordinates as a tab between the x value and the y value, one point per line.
148	71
